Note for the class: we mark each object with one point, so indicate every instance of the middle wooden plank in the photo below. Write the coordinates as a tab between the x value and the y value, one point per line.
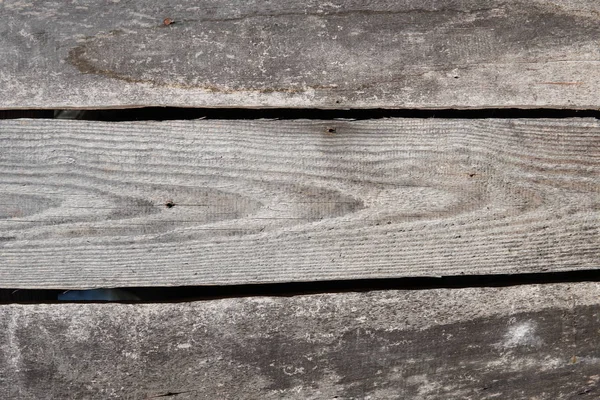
90	204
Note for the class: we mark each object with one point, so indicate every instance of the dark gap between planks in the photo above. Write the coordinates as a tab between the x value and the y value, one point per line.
172	113
195	293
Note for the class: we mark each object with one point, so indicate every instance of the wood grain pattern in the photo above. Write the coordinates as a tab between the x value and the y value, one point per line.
527	342
340	53
88	204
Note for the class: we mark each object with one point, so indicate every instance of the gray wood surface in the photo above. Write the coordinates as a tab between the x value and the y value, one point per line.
527	342
89	204
306	53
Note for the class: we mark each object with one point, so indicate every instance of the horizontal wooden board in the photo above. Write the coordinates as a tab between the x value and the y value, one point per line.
335	54
528	342
89	204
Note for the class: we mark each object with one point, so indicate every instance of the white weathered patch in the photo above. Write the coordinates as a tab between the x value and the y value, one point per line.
290	370
521	334
130	354
80	327
510	363
424	385
588	360
184	345
12	349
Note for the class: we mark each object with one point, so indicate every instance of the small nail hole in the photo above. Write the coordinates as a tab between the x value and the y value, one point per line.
331	130
169	204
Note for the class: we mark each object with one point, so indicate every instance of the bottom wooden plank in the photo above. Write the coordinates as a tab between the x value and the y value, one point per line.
534	342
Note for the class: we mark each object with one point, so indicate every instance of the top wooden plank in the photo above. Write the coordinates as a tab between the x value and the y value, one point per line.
336	54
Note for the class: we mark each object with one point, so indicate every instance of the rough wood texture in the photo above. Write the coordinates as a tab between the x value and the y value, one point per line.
87	204
340	53
528	342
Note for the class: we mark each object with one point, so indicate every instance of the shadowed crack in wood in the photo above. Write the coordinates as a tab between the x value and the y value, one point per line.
533	341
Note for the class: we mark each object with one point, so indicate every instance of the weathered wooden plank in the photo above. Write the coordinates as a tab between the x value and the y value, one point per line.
528	342
341	53
88	204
